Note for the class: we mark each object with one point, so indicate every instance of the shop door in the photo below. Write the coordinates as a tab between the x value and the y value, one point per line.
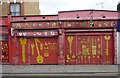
89	49
38	50
43	50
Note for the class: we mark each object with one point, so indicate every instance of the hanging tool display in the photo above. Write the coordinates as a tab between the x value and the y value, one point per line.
107	38
70	39
46	48
99	45
46	54
68	58
94	47
71	57
99	51
39	58
32	47
23	42
85	50
41	46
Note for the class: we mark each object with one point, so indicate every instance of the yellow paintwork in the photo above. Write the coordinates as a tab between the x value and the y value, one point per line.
46	54
107	38
39	58
23	42
32	47
94	47
41	46
70	39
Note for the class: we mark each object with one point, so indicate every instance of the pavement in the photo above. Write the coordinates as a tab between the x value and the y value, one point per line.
61	77
60	70
119	70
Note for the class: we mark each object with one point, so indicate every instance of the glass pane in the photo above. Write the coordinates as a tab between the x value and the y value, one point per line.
12	8
3	37
15	9
17	13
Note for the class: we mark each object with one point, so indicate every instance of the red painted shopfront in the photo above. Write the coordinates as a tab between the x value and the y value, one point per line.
66	38
4	40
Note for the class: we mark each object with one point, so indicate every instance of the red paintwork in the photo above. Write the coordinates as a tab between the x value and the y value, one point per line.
3	21
87	15
83	58
35	25
9	37
4	31
35	18
61	52
88	24
52	32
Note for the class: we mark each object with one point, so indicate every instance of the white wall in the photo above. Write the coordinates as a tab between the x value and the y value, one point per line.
118	47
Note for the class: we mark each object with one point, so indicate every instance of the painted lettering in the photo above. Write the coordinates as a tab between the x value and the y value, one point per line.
38	33
52	33
20	34
45	33
24	34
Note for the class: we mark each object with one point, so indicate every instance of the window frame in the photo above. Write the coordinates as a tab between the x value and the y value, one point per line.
19	8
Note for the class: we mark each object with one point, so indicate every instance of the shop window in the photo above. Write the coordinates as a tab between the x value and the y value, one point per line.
15	9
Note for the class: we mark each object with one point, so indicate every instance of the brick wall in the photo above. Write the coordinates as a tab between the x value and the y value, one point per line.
27	8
